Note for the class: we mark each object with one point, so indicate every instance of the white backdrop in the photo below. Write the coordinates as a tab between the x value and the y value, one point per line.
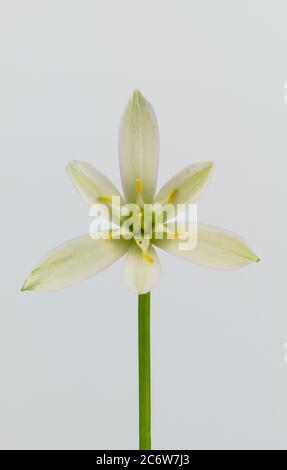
215	74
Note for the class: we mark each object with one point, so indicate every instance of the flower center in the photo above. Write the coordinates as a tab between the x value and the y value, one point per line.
143	222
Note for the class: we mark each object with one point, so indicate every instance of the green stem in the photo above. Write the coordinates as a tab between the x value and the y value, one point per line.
144	372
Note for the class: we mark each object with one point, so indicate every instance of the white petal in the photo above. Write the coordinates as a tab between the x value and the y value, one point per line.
139	148
216	248
187	185
140	274
73	262
91	183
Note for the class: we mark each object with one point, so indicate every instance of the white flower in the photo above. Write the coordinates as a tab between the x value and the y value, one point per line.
83	257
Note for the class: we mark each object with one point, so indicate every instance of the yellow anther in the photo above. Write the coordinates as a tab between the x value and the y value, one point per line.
171	195
139	185
148	257
105	198
112	234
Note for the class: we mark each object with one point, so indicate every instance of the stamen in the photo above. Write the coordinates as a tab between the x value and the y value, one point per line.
139	185
113	234
171	195
105	198
110	234
148	257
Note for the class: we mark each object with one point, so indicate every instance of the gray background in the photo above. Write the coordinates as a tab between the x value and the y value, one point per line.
215	73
